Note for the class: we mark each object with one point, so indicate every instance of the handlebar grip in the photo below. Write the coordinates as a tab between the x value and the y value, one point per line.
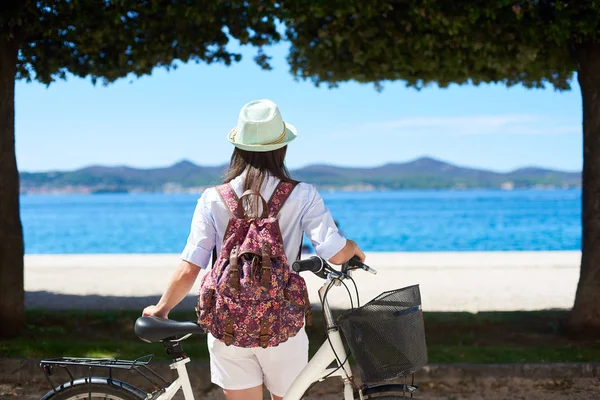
355	262
313	264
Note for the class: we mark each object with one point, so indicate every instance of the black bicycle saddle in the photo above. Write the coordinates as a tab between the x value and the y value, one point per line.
156	329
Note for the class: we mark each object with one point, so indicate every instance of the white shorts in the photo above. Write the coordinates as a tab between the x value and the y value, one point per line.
236	368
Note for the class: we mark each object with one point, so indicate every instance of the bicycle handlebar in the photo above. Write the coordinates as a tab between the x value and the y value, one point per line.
314	264
321	268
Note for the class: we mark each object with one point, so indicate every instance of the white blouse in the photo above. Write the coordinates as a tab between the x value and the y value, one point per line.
304	211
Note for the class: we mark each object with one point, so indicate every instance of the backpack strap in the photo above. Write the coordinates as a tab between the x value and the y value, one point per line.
308	309
300	248
234	270
279	197
229	198
264	336
265	270
228	334
240	207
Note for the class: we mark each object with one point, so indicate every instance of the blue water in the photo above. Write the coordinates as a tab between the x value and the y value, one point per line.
378	221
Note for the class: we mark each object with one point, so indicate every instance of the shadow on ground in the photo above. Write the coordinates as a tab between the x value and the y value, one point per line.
57	301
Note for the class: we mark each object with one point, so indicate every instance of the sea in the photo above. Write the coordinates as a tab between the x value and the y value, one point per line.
408	220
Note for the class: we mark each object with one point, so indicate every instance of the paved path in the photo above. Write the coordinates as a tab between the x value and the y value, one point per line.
21	379
488	389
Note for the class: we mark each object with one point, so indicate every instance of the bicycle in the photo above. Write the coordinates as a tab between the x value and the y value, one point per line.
386	337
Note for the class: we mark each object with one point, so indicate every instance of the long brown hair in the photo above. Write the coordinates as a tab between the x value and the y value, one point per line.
258	165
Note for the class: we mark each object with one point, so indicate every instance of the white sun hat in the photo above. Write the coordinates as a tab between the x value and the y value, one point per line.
260	127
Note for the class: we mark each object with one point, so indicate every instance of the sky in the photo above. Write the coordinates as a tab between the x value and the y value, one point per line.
186	113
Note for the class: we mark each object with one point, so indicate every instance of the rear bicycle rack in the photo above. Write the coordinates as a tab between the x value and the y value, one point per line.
139	365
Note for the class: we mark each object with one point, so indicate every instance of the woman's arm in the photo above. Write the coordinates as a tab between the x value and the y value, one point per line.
194	256
350	250
321	229
179	286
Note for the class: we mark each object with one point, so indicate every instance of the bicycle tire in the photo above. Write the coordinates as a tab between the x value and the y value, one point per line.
101	389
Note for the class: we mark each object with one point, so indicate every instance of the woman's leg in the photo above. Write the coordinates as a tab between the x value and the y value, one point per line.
236	370
255	393
282	364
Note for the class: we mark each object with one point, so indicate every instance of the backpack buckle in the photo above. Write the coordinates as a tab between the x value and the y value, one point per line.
264	336
308	313
234	272
308	316
264	341
228	334
228	338
265	270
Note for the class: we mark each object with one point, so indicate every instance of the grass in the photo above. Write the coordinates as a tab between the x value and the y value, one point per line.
491	337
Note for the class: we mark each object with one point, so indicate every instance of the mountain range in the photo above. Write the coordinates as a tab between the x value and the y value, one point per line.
422	173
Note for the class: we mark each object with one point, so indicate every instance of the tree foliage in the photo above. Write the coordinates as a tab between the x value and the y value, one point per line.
418	41
110	39
439	41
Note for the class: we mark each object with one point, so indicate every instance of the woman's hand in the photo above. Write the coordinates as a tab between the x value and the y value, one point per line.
155	311
359	253
179	286
350	250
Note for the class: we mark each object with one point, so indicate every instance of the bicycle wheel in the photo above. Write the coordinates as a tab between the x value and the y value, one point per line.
100	388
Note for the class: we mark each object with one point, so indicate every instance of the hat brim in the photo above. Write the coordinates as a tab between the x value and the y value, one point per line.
290	135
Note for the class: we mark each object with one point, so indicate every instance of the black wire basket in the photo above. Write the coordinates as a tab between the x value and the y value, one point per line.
387	335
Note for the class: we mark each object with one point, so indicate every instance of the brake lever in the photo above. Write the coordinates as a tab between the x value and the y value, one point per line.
369	269
356	264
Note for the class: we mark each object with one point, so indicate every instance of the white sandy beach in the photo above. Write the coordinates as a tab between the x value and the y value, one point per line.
461	281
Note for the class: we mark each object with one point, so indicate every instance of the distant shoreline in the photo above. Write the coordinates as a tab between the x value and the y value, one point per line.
321	189
185	176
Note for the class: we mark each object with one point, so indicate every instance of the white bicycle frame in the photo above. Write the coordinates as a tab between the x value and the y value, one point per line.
316	370
331	351
182	382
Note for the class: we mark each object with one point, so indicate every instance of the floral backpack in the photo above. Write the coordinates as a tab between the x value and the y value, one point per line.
251	297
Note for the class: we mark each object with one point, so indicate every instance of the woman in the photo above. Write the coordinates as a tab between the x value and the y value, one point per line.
260	139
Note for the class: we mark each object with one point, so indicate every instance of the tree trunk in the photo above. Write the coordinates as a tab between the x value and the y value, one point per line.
585	316
12	301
